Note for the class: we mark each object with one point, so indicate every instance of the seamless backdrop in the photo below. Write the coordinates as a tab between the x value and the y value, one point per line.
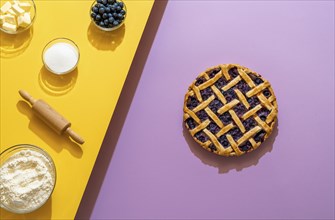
155	171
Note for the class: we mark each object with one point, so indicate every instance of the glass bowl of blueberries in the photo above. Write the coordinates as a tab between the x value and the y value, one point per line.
108	15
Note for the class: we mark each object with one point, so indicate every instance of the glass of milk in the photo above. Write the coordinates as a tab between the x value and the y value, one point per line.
61	56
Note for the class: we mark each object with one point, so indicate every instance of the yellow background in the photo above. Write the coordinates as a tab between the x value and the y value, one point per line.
86	97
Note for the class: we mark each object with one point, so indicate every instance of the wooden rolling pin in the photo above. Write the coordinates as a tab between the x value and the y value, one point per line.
52	118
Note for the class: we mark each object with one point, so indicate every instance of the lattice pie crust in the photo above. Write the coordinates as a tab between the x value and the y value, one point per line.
230	110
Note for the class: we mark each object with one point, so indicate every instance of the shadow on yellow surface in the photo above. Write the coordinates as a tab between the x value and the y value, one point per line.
45	211
224	164
50	137
57	85
12	45
103	40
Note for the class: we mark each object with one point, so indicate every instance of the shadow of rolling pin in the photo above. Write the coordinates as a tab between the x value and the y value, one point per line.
52	118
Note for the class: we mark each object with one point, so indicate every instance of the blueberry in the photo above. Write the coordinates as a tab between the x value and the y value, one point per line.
112	8
225	118
120	4
206	93
229	99
104	15
120	15
115	23
123	12
252	76
115	15
200	81
201	136
212	147
99	1
220	83
215	105
111	20
118	8
243	86
101	24
213	72
106	22
233	72
111	1
266	92
109	15
232	93
191	123
246	146
236	133
191	102
249	123
93	15
212	127
229	95
240	109
223	141
101	10
259	136
202	115
258	81
95	9
108	10
263	113
104	2
98	17
253	101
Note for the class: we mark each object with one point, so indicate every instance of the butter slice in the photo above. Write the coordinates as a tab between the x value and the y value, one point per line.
9	27
12	12
25	6
24	20
2	19
18	10
6	7
9	19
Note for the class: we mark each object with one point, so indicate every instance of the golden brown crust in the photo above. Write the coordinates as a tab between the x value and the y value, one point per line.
266	102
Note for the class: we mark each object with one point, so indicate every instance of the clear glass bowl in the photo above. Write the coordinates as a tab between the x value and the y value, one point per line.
65	41
32	17
113	28
5	155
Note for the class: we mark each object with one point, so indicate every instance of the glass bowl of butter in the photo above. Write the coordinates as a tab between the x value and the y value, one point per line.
28	178
16	16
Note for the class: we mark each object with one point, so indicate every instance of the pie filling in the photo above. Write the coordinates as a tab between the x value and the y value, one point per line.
226	118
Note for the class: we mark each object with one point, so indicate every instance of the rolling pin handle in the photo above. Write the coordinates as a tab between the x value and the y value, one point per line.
26	96
74	136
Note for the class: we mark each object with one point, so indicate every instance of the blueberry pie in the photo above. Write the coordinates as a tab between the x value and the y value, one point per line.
230	110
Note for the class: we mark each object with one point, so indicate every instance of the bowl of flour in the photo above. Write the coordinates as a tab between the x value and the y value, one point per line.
28	177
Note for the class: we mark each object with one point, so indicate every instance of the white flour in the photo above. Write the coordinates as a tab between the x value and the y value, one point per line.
27	179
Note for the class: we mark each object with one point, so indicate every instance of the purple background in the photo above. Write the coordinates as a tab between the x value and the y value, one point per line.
149	167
